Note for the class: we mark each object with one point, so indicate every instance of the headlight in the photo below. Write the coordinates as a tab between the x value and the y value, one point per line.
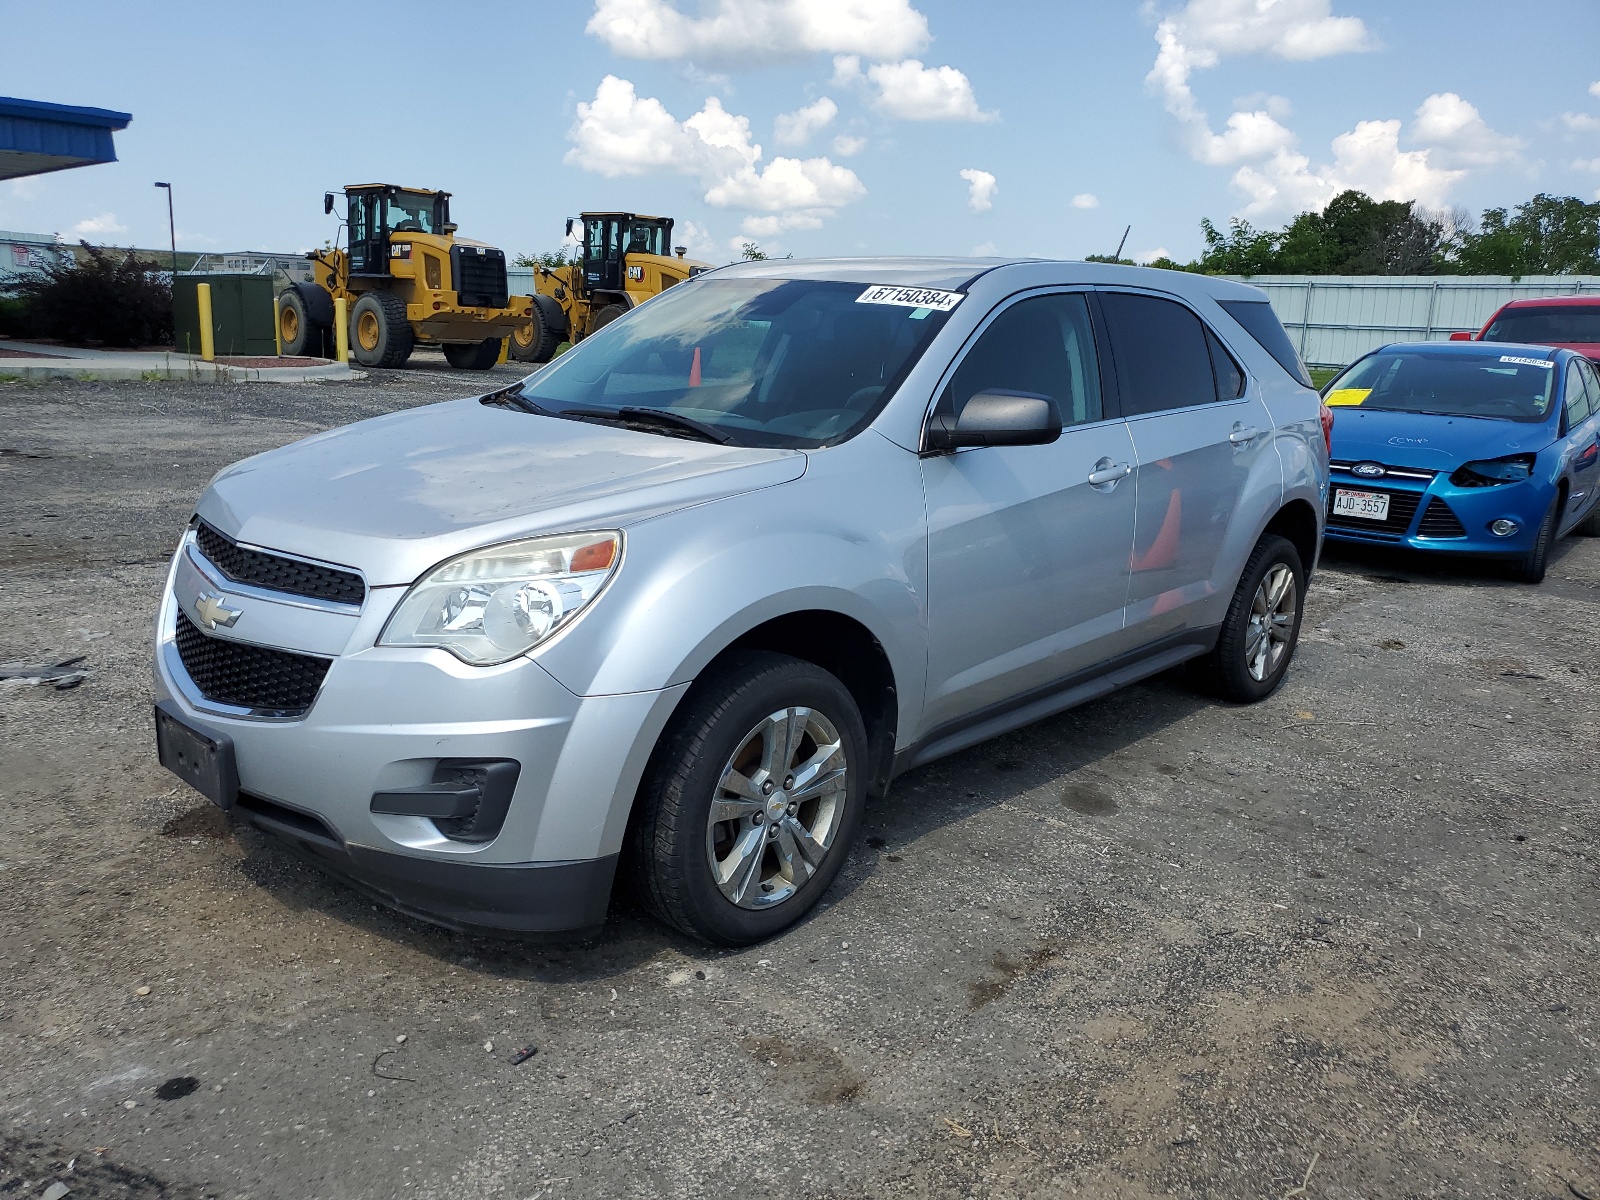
1492	471
493	604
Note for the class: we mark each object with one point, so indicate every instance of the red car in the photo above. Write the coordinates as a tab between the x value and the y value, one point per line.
1571	322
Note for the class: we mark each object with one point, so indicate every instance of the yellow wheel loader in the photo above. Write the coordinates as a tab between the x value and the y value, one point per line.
623	260
406	278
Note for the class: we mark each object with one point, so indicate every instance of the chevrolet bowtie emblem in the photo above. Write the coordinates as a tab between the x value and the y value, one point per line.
213	612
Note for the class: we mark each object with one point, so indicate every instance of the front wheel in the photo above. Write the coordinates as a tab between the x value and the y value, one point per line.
1530	568
1262	627
380	334
473	356
751	802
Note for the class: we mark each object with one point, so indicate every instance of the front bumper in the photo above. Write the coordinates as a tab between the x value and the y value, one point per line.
383	719
1438	517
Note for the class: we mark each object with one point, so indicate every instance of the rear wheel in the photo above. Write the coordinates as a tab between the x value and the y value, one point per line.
751	801
605	316
1530	568
300	335
380	335
473	356
1261	629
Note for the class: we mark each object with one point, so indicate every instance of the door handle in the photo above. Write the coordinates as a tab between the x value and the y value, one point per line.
1242	434
1107	472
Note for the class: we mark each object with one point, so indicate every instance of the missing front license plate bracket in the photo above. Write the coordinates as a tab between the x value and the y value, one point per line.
201	757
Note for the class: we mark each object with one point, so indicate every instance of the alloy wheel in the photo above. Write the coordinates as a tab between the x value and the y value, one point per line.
1272	613
778	807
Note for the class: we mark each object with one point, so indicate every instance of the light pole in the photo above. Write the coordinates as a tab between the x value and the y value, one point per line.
172	231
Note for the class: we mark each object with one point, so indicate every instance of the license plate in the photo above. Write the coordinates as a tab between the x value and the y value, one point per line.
1368	506
202	758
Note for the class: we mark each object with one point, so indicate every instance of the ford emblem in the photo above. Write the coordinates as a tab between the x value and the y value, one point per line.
1369	470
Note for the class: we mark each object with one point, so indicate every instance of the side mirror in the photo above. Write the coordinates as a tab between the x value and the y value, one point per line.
571	221
327	203
997	418
1461	337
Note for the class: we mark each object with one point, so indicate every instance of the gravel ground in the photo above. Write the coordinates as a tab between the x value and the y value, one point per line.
1340	944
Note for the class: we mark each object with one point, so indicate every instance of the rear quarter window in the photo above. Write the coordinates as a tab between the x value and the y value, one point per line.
1261	323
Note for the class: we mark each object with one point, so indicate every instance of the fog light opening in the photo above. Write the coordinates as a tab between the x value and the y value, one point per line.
1503	527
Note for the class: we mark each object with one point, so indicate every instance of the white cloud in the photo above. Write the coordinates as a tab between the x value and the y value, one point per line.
1586	164
1580	122
1273	105
913	92
1149	256
981	187
1594	88
1203	32
1249	135
104	224
747	30
1367	158
846	145
788	183
983	250
620	133
796	128
1086	200
846	70
1463	138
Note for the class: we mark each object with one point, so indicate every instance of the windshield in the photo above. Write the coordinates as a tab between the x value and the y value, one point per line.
1508	387
647	237
768	362
1553	323
412	212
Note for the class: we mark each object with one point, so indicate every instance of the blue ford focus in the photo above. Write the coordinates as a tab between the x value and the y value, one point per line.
1473	448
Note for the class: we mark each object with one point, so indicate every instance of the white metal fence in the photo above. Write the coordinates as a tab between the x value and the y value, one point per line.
1335	319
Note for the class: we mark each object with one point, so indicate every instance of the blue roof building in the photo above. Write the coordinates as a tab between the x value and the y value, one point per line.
36	137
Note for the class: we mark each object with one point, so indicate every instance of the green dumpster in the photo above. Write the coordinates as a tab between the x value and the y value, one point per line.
241	314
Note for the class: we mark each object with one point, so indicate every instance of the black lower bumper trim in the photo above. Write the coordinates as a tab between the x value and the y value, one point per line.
473	897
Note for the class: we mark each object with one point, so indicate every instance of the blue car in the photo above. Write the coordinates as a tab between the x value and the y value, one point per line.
1470	448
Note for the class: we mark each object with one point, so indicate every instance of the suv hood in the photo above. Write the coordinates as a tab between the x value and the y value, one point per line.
394	495
1403	439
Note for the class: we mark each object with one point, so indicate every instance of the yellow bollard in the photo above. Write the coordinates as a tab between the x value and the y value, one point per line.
341	329
277	327
208	335
505	352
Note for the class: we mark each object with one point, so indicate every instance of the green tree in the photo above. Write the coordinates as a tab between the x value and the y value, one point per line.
550	260
1243	250
1547	235
751	252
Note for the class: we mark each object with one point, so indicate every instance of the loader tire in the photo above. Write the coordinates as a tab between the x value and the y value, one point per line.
473	356
605	316
537	343
380	335
302	336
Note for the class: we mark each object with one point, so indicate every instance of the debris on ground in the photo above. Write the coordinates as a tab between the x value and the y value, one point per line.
523	1055
63	674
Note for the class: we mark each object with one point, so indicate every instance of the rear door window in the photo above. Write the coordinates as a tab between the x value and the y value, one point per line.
1160	349
1261	323
1577	396
1229	375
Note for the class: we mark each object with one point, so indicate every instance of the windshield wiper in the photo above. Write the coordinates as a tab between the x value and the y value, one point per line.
634	415
512	397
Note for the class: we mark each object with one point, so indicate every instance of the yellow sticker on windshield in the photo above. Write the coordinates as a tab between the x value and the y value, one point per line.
1347	396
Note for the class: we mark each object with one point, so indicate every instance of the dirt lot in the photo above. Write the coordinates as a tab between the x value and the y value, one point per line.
1343	942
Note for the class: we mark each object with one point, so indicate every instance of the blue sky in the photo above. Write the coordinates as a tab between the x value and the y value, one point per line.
809	126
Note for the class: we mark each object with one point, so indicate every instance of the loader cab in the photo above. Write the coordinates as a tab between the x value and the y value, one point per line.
608	238
374	211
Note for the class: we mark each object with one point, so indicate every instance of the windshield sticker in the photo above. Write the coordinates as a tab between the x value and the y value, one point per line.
909	297
1527	362
1347	396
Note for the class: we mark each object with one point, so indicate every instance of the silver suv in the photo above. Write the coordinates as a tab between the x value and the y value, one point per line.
678	604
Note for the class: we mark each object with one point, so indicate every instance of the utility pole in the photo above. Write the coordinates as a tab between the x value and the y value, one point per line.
172	232
1117	257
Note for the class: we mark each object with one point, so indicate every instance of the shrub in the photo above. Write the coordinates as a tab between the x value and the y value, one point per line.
110	298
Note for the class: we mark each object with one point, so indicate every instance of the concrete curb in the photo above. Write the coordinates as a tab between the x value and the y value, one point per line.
92	371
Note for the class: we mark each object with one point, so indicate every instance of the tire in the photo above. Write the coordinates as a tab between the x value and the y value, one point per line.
537	343
380	335
1240	669
676	855
302	336
473	356
605	316
1530	568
